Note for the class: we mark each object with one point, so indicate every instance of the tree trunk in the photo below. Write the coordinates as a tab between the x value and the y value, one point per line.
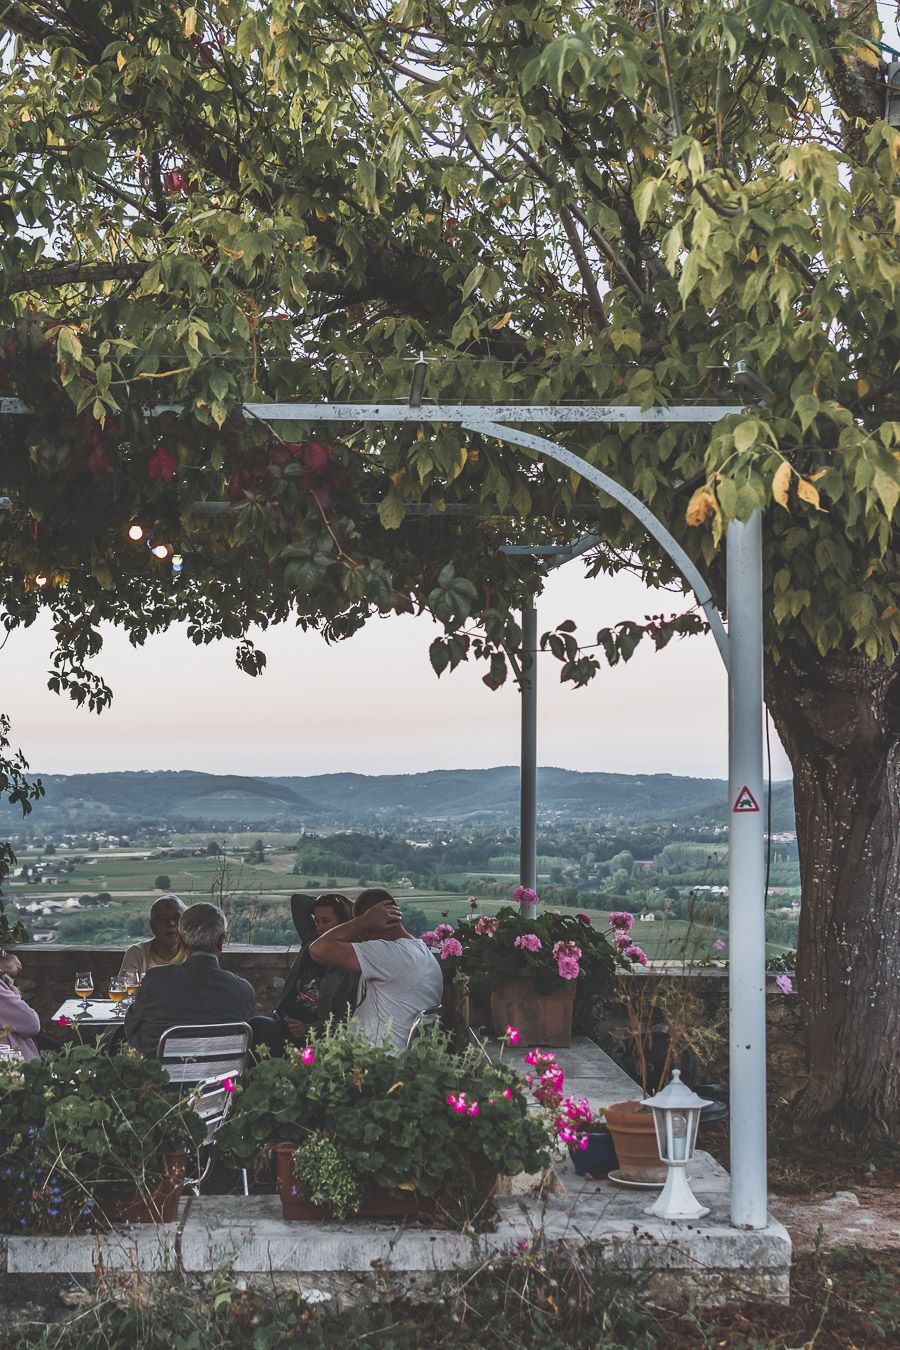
839	720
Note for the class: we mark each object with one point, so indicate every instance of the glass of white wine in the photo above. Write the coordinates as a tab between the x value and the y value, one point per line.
84	987
117	991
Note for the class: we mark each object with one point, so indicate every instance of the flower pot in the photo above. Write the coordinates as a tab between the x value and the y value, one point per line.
156	1203
634	1136
598	1159
378	1203
541	1019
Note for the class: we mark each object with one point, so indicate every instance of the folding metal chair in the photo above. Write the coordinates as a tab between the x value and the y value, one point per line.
423	1021
199	1060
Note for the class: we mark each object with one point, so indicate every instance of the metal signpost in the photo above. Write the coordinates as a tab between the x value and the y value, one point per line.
740	648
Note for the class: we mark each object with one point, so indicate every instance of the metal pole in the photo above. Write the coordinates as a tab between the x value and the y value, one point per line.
746	876
528	770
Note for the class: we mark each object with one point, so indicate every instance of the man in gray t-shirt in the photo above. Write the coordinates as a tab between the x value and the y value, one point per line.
399	976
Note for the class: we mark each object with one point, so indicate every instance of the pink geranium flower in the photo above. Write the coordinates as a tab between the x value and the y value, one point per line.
444	930
307	1054
431	939
568	968
636	954
512	1035
621	919
718	945
566	949
228	1085
524	895
528	942
583	918
507	1092
785	983
62	1021
485	927
452	947
622	939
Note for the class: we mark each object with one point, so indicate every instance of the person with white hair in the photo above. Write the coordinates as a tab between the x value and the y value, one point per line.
165	947
196	993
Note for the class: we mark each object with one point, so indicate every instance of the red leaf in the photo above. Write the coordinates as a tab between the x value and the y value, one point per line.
99	463
162	465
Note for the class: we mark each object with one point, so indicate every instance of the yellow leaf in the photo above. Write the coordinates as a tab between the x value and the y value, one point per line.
393	1088
460	464
807	493
888	613
781	484
862	387
231	252
701	505
502	322
309	241
399	476
753	255
814	477
190	22
120	60
574	480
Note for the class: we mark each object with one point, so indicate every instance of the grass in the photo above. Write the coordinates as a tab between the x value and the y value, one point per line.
840	1298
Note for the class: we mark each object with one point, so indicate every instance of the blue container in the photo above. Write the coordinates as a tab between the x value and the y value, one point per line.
598	1159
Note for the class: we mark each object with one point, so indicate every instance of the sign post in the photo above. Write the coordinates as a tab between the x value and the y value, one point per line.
746	876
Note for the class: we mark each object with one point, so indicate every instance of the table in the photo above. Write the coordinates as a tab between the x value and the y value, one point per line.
101	1013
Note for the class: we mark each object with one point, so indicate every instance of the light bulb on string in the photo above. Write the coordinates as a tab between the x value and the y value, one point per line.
136	531
158	550
41	579
177	564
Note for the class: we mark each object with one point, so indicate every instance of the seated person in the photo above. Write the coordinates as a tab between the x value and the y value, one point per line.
19	1024
196	993
312	993
164	948
399	976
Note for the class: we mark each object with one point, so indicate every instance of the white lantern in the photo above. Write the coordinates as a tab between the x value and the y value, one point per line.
676	1117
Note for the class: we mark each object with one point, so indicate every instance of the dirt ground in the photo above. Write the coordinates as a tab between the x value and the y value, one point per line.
868	1216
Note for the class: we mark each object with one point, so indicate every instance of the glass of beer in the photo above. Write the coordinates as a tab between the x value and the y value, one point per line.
132	982
84	987
117	991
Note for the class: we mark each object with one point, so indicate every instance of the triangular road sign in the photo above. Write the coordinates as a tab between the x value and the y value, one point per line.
745	802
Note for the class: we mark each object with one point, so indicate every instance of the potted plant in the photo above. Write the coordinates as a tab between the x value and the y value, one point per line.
535	972
88	1139
668	1027
358	1129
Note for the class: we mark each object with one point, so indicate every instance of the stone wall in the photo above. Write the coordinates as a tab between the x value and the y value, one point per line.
48	971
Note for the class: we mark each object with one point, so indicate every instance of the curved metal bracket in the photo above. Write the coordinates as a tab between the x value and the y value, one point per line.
651	524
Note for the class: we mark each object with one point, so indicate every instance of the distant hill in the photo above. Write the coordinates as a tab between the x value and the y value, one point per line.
484	797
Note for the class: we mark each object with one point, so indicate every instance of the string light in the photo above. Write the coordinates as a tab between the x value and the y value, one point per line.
135	531
158	550
41	579
177	564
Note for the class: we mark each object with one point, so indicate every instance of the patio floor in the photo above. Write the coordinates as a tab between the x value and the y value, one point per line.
706	1260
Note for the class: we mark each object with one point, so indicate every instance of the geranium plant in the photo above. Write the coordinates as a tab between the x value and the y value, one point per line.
78	1124
556	950
427	1120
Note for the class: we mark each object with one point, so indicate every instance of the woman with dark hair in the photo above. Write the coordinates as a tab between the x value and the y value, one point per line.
312	993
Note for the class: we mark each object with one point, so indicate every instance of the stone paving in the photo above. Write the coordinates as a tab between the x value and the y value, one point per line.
707	1259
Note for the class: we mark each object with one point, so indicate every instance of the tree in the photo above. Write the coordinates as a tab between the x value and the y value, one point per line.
162	882
609	203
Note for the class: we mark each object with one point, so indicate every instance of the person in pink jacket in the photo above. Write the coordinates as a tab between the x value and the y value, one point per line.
19	1023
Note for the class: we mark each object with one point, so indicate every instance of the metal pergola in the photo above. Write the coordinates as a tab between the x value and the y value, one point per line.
740	647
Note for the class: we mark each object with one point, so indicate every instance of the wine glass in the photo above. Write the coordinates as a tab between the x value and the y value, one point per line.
117	991
132	980
84	986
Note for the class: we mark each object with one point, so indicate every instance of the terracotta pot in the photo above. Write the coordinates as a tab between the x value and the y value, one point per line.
541	1019
634	1136
157	1203
378	1203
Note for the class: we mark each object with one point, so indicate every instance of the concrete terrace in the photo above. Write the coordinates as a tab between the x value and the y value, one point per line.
706	1260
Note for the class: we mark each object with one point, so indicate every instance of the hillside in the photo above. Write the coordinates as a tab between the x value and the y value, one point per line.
483	797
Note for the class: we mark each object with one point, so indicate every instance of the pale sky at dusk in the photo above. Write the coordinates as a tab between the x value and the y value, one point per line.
373	704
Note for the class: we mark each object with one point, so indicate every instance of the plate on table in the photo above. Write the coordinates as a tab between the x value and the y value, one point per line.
618	1180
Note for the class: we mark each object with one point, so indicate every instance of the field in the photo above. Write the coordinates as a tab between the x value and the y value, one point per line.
255	894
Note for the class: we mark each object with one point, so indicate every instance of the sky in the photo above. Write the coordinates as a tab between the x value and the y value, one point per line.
373	704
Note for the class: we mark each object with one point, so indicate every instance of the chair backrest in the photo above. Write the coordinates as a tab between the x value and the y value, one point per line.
206	1061
423	1021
